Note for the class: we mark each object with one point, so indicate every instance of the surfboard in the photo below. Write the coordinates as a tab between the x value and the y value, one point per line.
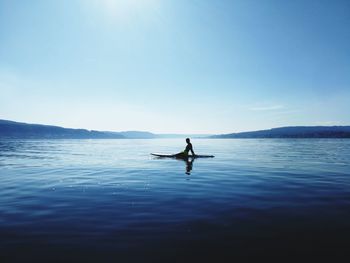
174	155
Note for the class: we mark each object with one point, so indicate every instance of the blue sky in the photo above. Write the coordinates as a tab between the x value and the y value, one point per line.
181	66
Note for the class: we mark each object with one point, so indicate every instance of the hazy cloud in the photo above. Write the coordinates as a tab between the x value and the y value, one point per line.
267	108
328	123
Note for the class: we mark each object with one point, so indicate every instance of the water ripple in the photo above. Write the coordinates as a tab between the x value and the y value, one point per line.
111	193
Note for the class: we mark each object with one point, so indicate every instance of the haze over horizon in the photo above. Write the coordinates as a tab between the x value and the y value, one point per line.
181	66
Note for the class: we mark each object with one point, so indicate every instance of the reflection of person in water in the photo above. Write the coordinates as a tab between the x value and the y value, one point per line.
189	165
188	148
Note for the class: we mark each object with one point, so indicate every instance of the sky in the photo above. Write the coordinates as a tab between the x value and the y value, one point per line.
175	66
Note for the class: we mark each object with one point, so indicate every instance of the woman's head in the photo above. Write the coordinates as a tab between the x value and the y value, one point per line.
188	140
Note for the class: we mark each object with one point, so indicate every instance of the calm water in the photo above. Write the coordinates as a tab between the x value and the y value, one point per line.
110	201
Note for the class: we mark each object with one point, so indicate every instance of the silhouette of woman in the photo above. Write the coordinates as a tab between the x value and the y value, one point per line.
184	154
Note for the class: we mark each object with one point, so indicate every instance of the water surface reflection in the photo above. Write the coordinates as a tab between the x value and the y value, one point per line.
108	200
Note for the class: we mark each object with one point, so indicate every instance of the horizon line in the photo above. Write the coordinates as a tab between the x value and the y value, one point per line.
174	133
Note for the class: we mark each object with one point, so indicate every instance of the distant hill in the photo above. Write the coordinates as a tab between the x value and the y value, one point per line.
138	135
20	130
11	129
293	132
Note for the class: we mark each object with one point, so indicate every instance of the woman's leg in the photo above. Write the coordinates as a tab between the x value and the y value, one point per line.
181	155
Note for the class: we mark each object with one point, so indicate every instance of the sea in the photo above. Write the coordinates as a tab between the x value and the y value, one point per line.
111	201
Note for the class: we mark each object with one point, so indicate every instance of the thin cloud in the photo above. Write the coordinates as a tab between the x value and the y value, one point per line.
328	123
267	108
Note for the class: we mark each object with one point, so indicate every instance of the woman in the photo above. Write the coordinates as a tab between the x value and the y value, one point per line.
188	148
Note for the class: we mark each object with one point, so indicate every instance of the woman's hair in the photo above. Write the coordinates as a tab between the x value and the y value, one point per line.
187	139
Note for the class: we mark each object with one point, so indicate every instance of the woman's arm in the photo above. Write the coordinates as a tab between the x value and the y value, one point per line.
192	151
